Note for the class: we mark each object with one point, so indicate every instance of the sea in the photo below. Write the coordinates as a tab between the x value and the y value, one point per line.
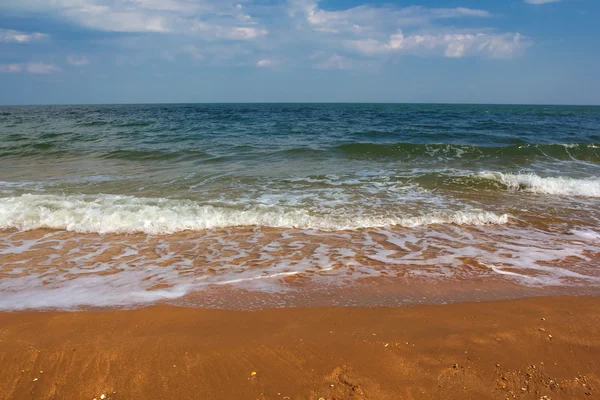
248	206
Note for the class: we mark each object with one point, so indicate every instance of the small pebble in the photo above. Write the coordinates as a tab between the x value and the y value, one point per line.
35	379
253	373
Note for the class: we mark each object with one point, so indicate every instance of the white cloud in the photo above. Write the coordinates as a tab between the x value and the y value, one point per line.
12	36
334	61
153	16
78	61
453	45
370	18
229	32
240	32
32	68
376	32
117	16
265	62
458	12
167	5
245	33
11	67
41	68
116	19
540	2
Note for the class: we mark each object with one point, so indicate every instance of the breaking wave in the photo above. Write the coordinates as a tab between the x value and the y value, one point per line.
574	151
559	186
128	214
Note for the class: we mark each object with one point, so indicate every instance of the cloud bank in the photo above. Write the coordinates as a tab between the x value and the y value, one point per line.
302	32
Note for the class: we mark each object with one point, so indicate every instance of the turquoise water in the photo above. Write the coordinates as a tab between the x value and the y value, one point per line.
515	188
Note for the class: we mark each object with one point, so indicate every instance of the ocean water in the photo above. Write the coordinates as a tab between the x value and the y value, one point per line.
119	205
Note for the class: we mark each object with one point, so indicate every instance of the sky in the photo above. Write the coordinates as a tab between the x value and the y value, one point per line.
187	51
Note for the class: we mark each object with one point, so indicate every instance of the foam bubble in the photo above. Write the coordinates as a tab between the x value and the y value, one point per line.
586	234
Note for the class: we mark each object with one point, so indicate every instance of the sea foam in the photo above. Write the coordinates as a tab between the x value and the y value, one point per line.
124	214
559	186
128	270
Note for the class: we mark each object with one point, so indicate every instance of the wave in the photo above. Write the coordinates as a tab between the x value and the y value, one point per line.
573	151
29	148
91	124
128	214
152	155
559	186
589	152
55	150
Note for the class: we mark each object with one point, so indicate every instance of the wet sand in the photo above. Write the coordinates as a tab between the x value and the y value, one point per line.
543	348
294	267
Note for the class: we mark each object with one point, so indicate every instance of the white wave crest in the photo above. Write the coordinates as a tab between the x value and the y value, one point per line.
559	186
127	214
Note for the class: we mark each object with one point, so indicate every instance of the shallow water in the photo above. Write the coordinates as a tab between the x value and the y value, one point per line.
128	205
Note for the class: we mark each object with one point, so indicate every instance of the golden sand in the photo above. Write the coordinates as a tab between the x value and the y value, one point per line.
544	348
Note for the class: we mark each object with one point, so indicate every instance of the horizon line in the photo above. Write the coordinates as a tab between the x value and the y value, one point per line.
300	102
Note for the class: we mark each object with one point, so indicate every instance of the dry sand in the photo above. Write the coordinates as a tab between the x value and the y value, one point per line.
544	348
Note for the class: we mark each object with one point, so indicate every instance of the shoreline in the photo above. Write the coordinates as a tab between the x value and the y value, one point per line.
525	349
255	268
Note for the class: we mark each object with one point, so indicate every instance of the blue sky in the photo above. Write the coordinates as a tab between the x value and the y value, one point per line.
138	51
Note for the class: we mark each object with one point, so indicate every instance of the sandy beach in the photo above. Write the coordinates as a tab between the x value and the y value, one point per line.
299	200
541	348
299	251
